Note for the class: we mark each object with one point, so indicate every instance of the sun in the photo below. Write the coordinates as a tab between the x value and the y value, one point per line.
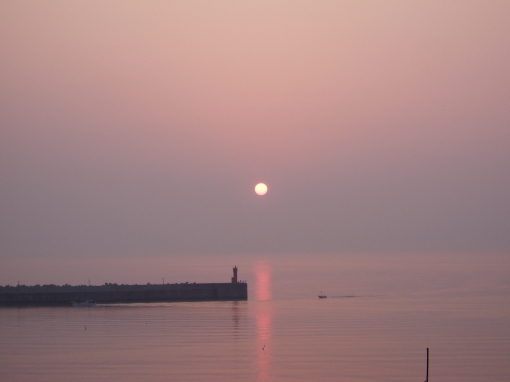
260	189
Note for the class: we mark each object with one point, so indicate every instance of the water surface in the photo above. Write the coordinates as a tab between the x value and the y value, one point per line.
282	333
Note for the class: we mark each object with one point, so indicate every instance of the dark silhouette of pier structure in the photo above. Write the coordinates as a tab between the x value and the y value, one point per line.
114	293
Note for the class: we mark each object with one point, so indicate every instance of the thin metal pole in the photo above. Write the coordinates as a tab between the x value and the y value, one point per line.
427	379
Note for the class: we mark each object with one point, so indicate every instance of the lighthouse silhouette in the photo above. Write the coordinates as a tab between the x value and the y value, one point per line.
234	278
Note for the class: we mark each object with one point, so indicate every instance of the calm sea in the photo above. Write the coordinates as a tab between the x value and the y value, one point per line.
375	325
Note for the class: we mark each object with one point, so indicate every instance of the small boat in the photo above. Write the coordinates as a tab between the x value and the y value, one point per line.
83	303
322	296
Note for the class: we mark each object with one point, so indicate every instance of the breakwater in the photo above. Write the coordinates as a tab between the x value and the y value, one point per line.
113	293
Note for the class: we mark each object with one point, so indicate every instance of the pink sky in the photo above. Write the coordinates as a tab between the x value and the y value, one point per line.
140	128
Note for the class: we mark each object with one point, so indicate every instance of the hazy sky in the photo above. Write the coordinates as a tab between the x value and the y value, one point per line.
137	128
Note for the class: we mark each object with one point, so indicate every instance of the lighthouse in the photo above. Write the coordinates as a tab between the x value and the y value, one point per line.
234	278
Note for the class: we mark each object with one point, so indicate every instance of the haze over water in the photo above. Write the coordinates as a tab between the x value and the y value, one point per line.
373	326
132	135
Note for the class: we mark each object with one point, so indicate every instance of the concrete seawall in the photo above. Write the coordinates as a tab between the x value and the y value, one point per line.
112	293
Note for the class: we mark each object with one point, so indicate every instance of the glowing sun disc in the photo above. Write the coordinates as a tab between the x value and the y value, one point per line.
260	189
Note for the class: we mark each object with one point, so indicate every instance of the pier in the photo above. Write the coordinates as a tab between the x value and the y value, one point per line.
114	293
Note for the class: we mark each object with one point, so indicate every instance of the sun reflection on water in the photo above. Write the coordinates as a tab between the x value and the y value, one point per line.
263	282
263	319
